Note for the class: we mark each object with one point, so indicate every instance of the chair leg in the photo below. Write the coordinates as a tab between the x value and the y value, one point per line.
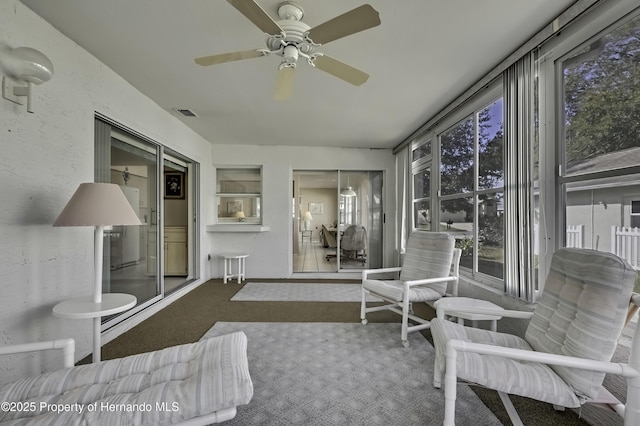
511	410
450	387
632	408
363	308
437	373
405	324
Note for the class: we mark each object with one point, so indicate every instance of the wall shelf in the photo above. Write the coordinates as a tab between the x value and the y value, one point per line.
238	228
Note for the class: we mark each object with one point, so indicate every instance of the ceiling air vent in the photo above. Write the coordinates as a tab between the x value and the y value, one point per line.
185	112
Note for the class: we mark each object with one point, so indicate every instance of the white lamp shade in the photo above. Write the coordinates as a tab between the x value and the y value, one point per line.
307	216
97	204
348	192
240	214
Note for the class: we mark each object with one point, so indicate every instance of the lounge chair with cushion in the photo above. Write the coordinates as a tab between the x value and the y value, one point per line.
191	384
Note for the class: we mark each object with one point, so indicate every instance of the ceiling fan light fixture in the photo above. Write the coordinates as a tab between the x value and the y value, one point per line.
290	10
290	54
348	192
291	38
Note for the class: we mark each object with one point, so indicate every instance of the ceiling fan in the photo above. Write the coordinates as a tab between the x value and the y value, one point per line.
291	38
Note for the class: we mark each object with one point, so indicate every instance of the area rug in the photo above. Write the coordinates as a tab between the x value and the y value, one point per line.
300	292
344	374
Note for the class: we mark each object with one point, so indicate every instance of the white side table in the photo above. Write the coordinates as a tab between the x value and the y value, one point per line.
84	307
454	306
309	233
228	259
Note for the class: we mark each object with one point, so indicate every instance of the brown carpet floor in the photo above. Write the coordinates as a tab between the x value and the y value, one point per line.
187	319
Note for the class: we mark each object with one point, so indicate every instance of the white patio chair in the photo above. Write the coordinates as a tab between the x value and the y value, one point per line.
571	337
430	263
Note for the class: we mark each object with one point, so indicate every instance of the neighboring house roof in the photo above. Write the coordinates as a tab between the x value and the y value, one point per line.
624	158
614	160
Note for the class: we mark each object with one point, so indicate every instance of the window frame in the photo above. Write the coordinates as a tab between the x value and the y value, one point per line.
432	161
480	101
547	211
553	181
239	196
420	165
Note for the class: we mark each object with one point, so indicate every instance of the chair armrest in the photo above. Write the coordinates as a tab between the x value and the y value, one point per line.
430	281
620	369
68	347
367	272
440	312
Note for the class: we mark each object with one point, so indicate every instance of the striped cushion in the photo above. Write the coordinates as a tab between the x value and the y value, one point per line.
394	290
528	379
428	255
161	387
582	311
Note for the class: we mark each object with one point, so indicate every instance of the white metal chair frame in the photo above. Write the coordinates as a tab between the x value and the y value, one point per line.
404	307
68	349
631	370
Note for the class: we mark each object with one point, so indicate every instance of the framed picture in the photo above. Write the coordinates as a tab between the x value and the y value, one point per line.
234	207
316	208
174	185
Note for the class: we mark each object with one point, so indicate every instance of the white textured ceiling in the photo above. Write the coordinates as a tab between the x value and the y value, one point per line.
424	54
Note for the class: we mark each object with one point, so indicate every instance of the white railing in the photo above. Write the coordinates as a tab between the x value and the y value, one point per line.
575	236
625	242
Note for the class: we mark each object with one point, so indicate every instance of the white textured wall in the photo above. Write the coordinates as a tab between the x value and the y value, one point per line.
43	158
270	252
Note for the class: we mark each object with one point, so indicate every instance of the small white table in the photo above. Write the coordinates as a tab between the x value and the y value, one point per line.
454	306
309	233
84	307
240	259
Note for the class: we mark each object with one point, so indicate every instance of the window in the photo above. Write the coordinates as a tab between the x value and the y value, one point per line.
559	167
421	195
421	151
421	184
471	204
634	220
239	195
600	173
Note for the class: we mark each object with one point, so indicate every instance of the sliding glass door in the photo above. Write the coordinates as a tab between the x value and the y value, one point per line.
159	256
130	252
360	220
337	220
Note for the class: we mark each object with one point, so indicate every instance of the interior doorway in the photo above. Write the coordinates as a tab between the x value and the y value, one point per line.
337	221
176	230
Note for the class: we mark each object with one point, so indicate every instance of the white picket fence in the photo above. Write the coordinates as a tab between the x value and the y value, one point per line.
575	236
625	242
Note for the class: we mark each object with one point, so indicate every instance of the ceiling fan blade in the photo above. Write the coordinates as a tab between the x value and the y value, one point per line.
359	19
341	70
253	12
228	57
284	83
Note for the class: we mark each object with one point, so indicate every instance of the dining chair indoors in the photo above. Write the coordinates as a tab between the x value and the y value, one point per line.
431	264
571	336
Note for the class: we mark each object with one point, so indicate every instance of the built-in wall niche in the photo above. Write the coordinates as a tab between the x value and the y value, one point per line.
239	195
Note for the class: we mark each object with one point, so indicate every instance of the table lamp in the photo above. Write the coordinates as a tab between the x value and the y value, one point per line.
98	205
240	216
307	220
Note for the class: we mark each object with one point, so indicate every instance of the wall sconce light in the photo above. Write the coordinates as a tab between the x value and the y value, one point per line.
23	65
